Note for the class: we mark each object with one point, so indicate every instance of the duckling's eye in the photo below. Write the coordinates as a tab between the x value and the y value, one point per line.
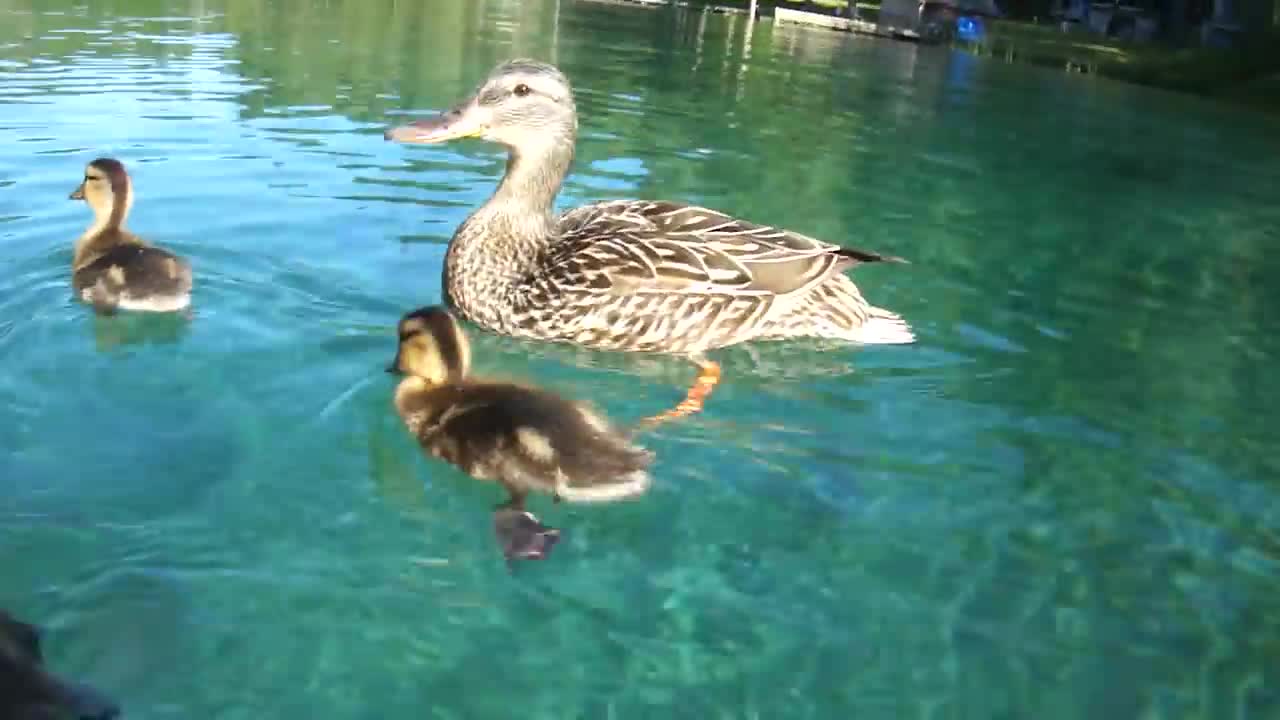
521	90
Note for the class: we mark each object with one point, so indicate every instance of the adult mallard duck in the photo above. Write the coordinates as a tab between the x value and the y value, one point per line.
632	275
114	269
525	438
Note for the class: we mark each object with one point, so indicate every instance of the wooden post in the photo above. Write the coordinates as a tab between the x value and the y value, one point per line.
555	35
751	11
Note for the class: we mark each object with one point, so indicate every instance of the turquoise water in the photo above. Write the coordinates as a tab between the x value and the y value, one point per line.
1061	503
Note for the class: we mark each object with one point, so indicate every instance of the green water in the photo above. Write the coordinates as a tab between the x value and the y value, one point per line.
1062	503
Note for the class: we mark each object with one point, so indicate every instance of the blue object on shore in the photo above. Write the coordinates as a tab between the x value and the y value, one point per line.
969	28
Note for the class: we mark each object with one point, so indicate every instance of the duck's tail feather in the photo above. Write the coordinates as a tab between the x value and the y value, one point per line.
628	486
883	327
855	255
836	310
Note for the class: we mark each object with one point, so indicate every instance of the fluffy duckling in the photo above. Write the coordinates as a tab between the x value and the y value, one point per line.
114	269
30	692
527	439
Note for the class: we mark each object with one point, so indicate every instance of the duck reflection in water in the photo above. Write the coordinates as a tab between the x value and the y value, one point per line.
113	332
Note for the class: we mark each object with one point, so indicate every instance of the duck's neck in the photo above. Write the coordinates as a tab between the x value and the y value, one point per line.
107	221
497	246
533	178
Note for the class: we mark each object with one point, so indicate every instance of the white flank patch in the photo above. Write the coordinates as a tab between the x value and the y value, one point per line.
628	486
156	303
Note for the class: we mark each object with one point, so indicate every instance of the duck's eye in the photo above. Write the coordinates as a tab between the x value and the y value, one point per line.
521	90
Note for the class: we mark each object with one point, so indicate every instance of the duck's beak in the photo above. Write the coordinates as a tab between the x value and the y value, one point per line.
394	367
78	193
468	120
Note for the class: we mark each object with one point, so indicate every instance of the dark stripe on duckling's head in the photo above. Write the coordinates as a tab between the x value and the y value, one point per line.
433	339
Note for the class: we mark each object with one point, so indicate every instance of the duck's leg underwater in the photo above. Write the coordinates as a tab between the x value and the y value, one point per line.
520	534
708	377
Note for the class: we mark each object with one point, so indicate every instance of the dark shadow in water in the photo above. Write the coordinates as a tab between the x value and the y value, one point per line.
29	687
129	628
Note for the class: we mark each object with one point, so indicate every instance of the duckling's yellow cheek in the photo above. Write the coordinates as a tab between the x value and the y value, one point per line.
115	275
535	444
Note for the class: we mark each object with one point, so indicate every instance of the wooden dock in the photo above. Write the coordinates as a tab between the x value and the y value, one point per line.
717	9
784	15
854	25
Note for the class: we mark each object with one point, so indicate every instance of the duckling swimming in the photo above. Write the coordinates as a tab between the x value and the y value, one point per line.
527	439
114	269
30	692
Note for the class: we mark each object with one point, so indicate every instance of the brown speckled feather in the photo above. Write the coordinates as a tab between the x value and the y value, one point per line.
662	276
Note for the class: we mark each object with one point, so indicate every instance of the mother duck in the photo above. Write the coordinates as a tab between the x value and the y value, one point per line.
630	275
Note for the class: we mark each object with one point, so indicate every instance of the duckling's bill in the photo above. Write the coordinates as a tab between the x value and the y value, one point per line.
468	120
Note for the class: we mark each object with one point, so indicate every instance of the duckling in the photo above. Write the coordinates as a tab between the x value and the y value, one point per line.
525	438
114	269
30	692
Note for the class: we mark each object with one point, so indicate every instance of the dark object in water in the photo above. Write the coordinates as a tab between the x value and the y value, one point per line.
28	691
521	535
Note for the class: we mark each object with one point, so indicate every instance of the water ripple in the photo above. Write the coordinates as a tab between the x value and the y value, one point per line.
1067	478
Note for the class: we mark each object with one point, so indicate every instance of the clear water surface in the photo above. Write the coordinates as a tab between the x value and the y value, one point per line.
1062	503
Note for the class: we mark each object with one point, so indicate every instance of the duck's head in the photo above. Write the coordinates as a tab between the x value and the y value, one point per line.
523	104
106	188
28	690
432	347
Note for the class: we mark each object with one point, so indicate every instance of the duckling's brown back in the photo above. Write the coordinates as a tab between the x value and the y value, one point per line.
537	434
145	270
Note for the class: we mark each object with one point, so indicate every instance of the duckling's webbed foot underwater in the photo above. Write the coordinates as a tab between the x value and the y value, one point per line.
520	534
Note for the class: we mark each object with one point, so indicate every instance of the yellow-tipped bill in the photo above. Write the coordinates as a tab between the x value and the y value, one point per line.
465	121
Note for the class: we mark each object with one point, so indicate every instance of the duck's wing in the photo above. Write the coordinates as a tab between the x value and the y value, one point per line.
674	277
673	247
133	272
